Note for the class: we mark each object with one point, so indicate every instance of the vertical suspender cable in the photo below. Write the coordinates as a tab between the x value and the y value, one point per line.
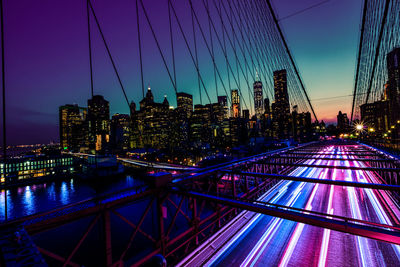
3	78
172	42
377	50
158	44
213	54
290	57
108	52
90	48
196	54
140	47
359	57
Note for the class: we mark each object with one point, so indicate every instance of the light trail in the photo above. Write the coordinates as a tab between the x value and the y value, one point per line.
362	243
300	226
379	210
326	236
283	242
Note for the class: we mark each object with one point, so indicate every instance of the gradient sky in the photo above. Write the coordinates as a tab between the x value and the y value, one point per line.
47	58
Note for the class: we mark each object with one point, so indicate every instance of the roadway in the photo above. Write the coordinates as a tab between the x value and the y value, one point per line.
143	163
261	240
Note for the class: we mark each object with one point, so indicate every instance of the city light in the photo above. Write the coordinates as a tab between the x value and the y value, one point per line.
359	127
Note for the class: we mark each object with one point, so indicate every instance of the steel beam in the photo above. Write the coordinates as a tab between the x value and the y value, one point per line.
372	232
336	159
333	154
319	181
334	167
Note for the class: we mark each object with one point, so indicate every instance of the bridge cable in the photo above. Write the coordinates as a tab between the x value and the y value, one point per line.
90	47
377	50
196	54
188	47
172	43
139	46
158	46
3	84
108	51
291	58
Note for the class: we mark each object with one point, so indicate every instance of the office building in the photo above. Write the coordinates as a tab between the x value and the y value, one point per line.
393	89
120	132
73	127
258	99
185	104
223	101
343	124
154	122
235	109
281	107
99	123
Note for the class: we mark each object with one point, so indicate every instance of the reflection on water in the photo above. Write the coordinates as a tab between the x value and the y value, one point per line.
27	200
64	196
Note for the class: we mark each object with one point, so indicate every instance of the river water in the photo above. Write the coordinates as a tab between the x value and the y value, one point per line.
31	199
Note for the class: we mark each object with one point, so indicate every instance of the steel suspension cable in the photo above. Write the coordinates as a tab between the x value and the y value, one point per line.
108	51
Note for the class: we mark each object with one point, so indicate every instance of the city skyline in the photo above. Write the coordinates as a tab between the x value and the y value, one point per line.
200	133
69	82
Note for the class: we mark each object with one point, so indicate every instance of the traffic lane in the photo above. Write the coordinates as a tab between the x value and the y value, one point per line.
235	254
286	241
243	246
267	228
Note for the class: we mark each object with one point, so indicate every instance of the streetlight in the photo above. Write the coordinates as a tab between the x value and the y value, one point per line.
359	127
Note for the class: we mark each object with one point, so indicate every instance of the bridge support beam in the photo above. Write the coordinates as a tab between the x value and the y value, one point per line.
381	234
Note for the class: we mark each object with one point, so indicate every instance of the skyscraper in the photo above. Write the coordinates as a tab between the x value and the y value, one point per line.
258	99
281	108
73	127
281	92
223	102
200	125
120	131
99	123
267	108
154	122
235	103
393	95
185	104
246	114
343	122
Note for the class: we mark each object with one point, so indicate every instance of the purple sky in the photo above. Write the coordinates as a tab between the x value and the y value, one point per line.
47	57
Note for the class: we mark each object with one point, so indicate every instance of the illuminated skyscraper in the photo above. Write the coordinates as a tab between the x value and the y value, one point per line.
73	128
154	122
200	125
393	95
120	131
223	102
185	104
235	103
281	92
258	99
99	123
281	108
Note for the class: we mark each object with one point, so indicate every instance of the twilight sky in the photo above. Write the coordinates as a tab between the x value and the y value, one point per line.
47	58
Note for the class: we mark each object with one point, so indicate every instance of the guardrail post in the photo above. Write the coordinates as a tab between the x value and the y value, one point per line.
107	232
161	214
195	221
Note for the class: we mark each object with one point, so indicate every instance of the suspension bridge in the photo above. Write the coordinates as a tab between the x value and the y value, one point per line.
332	202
